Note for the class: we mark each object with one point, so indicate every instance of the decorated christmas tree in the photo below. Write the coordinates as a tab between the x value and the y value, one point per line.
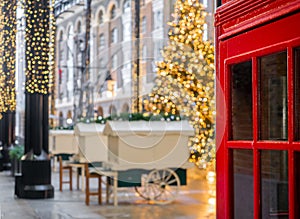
185	79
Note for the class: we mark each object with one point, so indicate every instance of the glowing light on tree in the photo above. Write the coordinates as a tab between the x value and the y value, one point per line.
185	79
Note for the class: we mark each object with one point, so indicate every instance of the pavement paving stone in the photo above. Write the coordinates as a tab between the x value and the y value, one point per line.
191	203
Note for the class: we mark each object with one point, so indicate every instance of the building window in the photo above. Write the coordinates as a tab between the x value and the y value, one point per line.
205	3
101	41
126	32
114	35
144	25
70	43
158	20
144	53
79	28
157	50
112	110
100	17
126	6
61	46
114	62
113	12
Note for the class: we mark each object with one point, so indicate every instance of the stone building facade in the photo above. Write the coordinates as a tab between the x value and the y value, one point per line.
111	52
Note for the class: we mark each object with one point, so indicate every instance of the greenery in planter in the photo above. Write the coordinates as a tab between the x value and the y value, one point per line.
145	116
16	152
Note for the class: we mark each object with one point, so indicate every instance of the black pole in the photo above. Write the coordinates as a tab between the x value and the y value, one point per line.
90	103
137	36
45	123
7	138
35	180
136	57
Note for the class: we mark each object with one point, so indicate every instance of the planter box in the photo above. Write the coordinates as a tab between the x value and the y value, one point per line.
92	143
148	145
62	142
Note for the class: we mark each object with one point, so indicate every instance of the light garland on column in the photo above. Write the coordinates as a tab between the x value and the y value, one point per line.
38	52
8	31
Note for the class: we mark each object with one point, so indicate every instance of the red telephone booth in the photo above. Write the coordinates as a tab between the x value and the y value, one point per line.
258	109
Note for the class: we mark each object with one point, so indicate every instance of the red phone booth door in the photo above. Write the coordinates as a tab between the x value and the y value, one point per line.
258	148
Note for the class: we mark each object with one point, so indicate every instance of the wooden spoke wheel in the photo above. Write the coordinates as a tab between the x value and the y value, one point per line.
162	186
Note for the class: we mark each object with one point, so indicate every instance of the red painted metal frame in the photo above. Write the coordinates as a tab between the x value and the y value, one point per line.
246	30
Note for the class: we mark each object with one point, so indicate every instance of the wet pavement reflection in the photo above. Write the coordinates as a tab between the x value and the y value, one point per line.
195	201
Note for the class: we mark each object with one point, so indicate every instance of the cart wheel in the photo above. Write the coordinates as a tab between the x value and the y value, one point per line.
162	186
142	192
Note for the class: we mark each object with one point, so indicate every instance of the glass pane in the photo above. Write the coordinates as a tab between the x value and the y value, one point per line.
297	183
273	97
241	101
297	94
243	183
274	184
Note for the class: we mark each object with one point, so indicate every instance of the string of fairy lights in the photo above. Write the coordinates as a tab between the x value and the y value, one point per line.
39	45
185	79
7	55
38	37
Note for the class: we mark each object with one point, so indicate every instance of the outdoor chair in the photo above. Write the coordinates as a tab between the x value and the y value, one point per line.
89	174
62	168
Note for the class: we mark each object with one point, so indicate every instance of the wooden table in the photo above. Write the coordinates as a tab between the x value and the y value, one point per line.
80	166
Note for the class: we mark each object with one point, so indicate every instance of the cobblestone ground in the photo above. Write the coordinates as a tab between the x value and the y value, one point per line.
195	201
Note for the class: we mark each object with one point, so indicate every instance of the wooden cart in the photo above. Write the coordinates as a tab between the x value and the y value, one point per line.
150	156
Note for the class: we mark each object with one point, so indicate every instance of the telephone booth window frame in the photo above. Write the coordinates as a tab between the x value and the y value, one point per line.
289	43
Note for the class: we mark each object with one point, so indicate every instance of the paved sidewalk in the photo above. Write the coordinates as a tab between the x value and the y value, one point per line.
192	203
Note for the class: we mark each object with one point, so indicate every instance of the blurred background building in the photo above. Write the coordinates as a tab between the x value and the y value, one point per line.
108	88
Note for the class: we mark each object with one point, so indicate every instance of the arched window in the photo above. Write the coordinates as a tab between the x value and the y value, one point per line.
112	110
61	119
70	38
61	36
100	17
61	47
125	108
79	28
144	25
126	7
158	20
100	111
101	41
113	12
69	114
114	35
